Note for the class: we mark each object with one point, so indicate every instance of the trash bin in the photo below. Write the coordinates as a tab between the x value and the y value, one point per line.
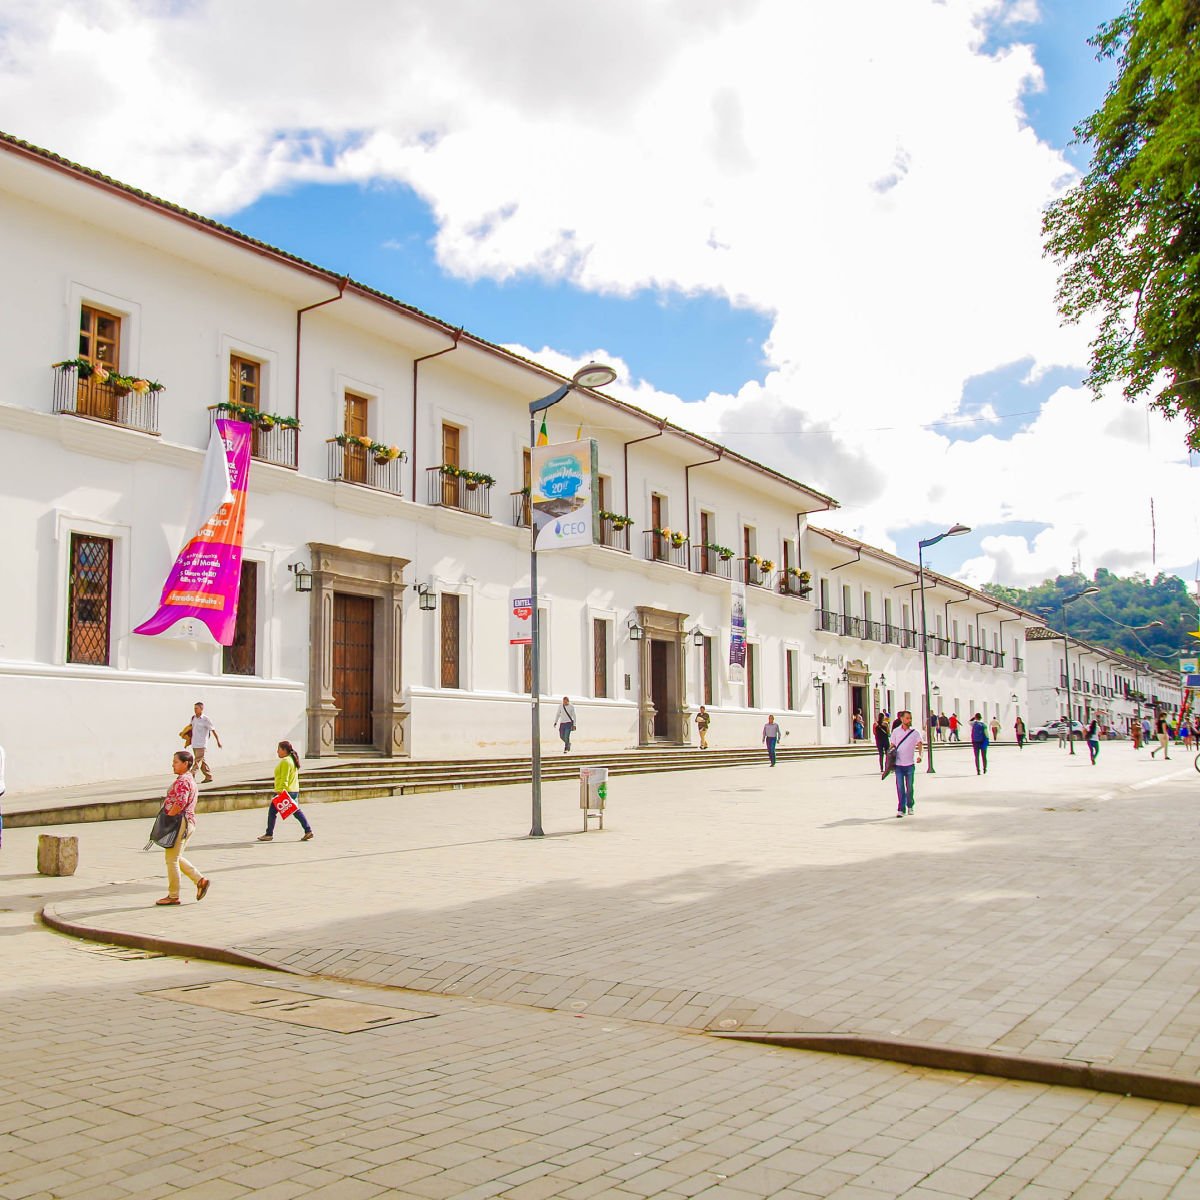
593	792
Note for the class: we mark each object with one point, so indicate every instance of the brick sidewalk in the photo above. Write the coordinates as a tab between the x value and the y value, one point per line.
1046	909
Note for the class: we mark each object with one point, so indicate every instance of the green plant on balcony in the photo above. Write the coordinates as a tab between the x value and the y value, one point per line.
676	537
381	453
616	520
724	553
263	420
763	564
472	479
121	384
799	575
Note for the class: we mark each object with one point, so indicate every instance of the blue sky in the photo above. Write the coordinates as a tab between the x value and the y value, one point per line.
831	261
383	235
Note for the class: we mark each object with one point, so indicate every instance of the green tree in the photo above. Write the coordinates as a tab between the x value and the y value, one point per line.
1122	601
1128	234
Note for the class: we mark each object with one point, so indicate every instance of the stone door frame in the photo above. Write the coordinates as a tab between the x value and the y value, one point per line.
356	572
663	626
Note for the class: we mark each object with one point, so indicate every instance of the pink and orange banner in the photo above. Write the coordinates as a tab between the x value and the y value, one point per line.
202	587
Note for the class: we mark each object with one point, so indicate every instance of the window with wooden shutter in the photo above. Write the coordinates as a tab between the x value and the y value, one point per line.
100	344
354	424
89	609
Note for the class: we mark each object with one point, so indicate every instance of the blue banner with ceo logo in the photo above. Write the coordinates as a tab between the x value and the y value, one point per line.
562	495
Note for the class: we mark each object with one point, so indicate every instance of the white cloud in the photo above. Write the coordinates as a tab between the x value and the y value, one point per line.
861	173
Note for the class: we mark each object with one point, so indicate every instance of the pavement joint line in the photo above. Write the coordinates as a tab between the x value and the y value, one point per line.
142	941
1146	1085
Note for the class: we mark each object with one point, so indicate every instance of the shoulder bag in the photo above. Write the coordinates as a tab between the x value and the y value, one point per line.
165	830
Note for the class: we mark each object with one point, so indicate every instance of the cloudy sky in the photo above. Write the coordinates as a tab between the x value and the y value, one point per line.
809	230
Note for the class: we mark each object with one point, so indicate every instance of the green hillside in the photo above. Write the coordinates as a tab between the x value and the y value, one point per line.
1121	601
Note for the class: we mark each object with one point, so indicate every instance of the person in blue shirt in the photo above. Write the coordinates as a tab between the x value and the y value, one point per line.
979	742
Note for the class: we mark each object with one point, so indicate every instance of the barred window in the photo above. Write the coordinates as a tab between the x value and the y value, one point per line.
90	602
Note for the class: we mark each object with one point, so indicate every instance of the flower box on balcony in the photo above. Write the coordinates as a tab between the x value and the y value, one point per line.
456	487
273	437
87	390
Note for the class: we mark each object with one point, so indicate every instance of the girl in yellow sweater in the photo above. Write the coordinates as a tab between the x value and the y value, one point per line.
287	779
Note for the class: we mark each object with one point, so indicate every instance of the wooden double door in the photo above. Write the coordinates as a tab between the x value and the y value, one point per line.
354	668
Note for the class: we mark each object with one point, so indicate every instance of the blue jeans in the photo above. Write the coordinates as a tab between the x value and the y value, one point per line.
771	749
1093	749
273	816
904	787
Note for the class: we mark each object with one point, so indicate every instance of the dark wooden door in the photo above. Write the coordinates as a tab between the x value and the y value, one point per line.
659	694
451	453
353	668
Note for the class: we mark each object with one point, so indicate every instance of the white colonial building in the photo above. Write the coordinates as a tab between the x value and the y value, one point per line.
1105	686
399	641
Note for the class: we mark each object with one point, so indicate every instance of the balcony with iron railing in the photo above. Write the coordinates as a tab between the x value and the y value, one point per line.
829	621
447	489
522	514
755	572
793	585
614	534
670	549
1018	664
706	561
110	401
271	441
938	645
357	465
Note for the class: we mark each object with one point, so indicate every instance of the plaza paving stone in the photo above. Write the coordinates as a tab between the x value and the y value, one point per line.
1045	909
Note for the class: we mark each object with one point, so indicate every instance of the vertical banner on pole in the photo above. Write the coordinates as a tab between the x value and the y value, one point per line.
520	618
563	494
200	596
737	632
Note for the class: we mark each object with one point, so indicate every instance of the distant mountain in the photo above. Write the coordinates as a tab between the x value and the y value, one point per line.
1121	602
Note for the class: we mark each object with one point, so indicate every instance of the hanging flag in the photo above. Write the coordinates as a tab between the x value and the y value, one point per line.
563	496
579	432
200	596
543	438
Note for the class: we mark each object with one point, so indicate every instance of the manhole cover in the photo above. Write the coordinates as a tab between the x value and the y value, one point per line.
293	1008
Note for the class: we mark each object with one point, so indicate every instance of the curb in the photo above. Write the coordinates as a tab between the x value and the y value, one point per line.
140	941
1146	1085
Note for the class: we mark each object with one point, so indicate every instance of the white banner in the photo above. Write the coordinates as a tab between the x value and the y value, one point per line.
562	495
520	618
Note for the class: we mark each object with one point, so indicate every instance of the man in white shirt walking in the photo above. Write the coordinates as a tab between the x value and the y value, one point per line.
906	742
201	727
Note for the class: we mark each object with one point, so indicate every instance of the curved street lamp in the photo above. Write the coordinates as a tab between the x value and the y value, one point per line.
1087	591
593	375
953	531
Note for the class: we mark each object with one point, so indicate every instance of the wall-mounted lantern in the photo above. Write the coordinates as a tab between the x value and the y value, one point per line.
635	630
696	635
426	598
302	576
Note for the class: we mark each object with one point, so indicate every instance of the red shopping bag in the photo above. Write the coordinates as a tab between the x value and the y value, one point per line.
284	805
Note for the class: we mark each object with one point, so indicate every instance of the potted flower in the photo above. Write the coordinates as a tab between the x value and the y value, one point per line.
676	537
724	553
250	414
616	520
122	385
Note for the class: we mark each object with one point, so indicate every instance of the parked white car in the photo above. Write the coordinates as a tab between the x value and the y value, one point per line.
1052	730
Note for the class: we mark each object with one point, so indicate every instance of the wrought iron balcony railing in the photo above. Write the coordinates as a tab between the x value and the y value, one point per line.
453	491
709	562
104	401
614	536
275	444
356	464
664	550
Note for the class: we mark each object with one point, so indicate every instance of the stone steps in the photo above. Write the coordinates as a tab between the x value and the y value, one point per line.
367	778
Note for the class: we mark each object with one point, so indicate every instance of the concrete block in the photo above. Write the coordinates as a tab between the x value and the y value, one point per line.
57	855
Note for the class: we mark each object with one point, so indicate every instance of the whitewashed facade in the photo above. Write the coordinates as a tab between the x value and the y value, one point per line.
868	633
97	487
1105	686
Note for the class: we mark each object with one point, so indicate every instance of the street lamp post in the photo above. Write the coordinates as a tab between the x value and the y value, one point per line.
594	375
953	531
1087	591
